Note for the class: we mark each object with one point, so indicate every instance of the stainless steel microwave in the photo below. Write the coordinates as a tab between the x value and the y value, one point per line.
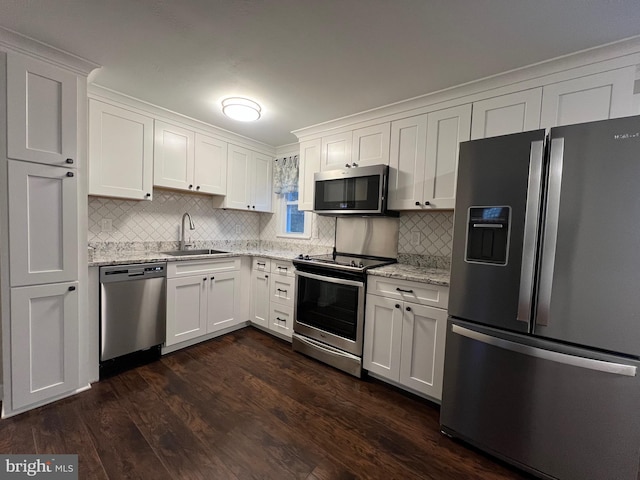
352	191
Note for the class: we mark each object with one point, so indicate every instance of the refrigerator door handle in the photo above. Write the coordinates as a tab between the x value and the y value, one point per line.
564	358
531	222
551	231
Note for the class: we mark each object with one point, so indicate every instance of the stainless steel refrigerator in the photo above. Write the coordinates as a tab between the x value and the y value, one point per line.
543	338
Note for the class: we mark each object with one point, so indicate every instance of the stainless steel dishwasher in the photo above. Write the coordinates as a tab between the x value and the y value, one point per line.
132	309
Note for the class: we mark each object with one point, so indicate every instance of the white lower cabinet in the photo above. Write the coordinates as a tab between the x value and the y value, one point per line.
44	342
272	295
404	340
202	298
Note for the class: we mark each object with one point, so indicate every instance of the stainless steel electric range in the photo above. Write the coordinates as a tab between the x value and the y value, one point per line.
330	291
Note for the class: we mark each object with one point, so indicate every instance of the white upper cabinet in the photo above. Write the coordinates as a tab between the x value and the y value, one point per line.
249	178
42	115
424	158
309	164
120	152
336	151
371	145
210	170
43	223
512	113
173	156
594	97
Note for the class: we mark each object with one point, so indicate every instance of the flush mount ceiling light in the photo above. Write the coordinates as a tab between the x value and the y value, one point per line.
241	109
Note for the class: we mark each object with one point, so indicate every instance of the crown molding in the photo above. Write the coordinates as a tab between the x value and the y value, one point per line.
611	56
14	41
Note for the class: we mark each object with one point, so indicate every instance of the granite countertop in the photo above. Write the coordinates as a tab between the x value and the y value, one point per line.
403	271
124	257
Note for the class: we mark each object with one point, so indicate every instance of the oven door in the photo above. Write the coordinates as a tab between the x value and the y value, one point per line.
330	310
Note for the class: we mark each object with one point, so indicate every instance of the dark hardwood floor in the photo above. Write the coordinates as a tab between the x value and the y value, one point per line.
245	406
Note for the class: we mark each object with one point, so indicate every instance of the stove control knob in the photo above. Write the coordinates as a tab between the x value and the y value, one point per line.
307	257
353	263
300	256
361	265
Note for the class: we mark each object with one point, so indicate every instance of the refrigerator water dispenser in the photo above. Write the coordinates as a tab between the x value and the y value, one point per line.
488	235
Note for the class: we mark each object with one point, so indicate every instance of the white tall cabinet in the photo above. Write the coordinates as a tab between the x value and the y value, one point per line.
42	239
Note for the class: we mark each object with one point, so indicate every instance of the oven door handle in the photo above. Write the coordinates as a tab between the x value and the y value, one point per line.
324	278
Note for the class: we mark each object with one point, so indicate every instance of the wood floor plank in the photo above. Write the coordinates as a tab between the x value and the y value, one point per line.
245	406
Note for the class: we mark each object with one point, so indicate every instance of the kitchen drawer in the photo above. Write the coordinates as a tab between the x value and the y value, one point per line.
282	289
281	319
282	267
184	269
262	264
416	292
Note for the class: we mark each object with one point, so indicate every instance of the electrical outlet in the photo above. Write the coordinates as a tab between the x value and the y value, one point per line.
106	225
238	229
415	237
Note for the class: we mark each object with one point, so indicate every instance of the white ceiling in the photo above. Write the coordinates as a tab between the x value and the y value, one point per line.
310	61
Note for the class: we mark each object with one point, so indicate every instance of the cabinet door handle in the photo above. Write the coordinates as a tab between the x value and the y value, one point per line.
354	164
69	161
72	288
347	165
408	309
266	276
248	206
213	278
198	187
69	174
417	204
397	305
148	195
204	279
403	291
190	187
253	206
427	203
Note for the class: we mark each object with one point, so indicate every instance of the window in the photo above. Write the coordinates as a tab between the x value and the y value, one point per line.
293	222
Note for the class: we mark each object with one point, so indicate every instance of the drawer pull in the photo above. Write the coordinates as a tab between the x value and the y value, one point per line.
71	289
280	290
281	319
282	268
403	290
262	264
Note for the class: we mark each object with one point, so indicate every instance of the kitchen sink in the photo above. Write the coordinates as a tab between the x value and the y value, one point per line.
182	253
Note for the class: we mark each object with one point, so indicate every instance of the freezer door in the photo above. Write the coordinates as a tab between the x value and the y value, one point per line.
590	263
565	413
495	229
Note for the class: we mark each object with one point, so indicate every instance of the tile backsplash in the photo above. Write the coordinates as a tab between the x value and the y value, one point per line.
159	220
426	236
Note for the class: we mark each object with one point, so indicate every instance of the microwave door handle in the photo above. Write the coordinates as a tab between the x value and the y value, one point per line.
551	231
527	271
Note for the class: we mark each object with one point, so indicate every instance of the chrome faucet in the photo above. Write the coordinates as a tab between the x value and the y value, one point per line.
183	244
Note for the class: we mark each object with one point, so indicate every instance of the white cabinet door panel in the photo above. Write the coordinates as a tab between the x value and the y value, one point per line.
120	152
407	162
260	298
382	337
371	145
173	156
336	151
423	340
43	223
186	309
595	97
513	113
239	179
44	340
42	115
309	165
223	301
262	166
210	171
445	130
